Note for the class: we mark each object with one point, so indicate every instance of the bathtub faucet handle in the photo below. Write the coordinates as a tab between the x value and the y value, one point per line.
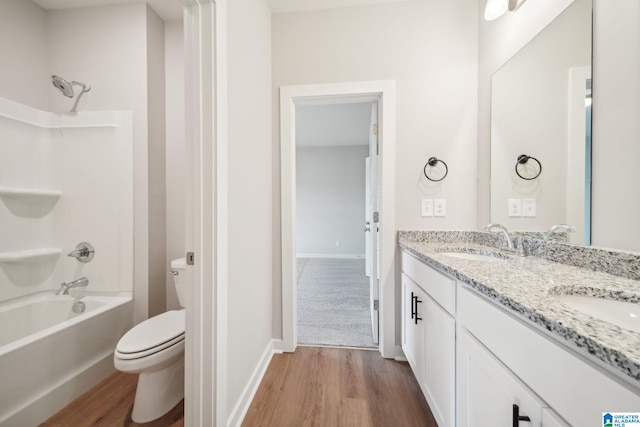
65	286
83	252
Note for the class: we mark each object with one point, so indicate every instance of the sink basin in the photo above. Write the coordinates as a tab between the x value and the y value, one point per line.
621	313
472	256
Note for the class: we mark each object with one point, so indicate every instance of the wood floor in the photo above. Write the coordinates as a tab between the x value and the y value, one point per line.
109	404
338	387
315	386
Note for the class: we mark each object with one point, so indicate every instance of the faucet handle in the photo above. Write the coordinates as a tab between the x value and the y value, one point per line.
83	252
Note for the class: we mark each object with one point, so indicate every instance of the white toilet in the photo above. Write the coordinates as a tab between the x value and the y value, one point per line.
155	350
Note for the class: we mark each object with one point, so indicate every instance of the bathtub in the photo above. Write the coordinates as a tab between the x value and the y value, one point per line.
54	348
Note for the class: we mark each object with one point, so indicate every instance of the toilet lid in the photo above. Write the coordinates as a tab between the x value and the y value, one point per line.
159	331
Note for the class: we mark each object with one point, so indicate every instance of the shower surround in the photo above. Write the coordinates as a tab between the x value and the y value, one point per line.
65	178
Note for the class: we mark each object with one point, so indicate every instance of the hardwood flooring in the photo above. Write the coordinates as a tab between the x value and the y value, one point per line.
109	404
315	386
319	386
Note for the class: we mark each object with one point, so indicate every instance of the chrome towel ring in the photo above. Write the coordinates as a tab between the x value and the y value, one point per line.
522	160
433	161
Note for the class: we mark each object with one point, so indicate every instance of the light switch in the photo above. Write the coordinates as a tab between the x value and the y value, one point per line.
529	208
439	207
427	207
515	207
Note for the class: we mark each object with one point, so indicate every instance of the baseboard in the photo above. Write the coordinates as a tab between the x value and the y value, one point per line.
337	256
249	392
278	346
399	357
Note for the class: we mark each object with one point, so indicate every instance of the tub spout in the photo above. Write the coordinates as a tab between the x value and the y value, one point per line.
65	286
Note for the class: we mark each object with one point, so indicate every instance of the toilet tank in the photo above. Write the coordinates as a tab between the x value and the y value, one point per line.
178	267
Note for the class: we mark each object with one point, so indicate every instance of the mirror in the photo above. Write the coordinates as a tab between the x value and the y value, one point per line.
541	108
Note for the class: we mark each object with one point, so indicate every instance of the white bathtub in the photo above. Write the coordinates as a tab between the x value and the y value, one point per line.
49	355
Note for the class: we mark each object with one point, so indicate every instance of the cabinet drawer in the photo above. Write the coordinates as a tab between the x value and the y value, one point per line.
577	389
441	288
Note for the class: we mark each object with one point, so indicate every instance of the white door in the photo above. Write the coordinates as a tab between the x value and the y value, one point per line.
371	223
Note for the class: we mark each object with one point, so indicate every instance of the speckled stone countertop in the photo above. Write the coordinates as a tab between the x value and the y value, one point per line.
527	285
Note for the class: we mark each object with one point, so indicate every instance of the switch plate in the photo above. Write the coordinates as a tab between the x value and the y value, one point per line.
439	207
515	207
427	207
529	208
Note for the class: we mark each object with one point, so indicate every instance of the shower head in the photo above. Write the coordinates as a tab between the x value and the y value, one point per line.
67	87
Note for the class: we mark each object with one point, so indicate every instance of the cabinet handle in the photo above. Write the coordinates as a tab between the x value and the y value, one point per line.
413	312
517	417
416	302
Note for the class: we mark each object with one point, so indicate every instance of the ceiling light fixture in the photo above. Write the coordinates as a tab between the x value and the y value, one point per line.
494	9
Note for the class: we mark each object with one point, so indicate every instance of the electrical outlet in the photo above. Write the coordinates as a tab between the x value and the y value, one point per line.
529	208
439	207
427	207
515	207
338	243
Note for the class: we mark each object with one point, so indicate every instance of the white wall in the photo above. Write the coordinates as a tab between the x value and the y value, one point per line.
24	75
616	108
430	50
155	66
330	200
175	157
249	191
530	115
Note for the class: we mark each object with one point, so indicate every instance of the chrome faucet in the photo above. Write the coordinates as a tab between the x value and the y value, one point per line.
505	232
65	286
569	228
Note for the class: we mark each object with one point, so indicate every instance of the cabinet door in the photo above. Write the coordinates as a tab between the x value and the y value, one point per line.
439	376
487	391
413	327
551	419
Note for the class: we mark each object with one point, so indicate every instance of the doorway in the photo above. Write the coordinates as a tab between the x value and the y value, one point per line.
333	203
382	290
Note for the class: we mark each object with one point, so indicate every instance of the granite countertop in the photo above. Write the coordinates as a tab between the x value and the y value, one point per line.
527	285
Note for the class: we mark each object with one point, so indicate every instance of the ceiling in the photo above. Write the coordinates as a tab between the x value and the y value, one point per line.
333	125
171	10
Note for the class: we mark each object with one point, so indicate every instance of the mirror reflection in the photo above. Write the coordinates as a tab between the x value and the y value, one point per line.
541	130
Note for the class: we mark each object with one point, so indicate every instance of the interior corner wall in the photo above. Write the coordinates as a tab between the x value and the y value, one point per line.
250	197
157	163
110	53
430	50
24	75
616	108
175	153
498	41
330	200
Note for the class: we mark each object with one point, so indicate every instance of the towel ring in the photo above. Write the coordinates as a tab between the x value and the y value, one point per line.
432	162
522	160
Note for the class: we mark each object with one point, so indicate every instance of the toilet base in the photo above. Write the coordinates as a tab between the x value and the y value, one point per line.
158	392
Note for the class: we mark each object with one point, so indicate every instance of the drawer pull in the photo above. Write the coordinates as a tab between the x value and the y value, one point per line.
416	309
517	417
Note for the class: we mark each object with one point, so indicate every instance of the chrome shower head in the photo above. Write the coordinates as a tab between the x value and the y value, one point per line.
67	87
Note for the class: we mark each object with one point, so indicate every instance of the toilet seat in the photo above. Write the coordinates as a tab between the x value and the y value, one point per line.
152	336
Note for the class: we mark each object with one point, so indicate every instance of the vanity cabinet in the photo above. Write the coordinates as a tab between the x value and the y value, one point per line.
503	358
475	359
428	334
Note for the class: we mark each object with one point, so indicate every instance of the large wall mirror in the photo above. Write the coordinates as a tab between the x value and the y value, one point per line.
541	108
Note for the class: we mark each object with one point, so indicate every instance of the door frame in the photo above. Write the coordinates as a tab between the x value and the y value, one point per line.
205	27
384	92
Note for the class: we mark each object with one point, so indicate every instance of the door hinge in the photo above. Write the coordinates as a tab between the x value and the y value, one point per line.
376	303
376	216
190	258
375	128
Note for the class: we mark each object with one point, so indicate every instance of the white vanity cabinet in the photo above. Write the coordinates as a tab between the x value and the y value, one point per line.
428	334
501	358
